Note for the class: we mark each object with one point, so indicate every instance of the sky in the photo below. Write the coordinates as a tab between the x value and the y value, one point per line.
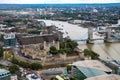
55	1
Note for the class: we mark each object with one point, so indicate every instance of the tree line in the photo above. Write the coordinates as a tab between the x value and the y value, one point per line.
66	46
33	66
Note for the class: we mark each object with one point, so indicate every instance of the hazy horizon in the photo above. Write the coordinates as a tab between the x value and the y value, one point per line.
58	1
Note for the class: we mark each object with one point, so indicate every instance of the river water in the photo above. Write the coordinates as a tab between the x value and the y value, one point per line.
105	50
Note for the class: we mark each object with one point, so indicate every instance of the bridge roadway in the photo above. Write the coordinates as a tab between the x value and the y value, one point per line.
114	37
88	39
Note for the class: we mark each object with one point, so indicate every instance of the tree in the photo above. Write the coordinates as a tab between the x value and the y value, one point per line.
1	51
69	67
71	44
68	50
73	78
94	55
41	47
35	66
1	37
53	50
14	60
68	44
91	53
62	44
13	69
61	51
86	52
24	64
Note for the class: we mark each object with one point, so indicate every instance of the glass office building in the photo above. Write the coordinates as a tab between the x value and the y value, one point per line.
81	73
9	40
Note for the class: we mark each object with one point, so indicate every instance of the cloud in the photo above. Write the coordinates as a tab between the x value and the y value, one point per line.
57	1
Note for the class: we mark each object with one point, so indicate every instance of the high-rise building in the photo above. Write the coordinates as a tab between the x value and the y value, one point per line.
9	40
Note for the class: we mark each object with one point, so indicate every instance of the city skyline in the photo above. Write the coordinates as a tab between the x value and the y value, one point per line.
57	1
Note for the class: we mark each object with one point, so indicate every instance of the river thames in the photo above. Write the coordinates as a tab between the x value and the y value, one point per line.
105	50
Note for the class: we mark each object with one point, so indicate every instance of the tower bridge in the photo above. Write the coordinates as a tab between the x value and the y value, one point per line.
112	34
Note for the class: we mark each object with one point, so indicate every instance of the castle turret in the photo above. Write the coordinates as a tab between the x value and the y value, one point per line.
44	44
58	45
90	35
108	35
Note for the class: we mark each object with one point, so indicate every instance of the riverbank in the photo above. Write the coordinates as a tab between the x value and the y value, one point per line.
105	50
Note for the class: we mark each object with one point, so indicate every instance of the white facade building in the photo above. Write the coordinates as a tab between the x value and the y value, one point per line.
33	77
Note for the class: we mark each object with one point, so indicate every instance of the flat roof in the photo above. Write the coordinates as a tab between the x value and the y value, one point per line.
105	77
2	71
90	72
29	77
5	63
2	25
92	64
59	78
37	35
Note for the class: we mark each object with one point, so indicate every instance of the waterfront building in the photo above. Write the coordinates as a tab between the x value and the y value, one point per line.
95	64
81	73
4	74
114	65
81	70
105	77
9	40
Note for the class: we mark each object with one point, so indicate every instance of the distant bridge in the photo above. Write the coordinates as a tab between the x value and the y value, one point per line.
109	35
115	36
89	39
77	40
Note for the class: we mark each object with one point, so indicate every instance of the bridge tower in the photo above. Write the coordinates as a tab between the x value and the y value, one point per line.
108	35
90	35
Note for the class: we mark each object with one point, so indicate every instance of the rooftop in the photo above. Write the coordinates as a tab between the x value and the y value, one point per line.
32	77
3	71
1	25
5	63
105	77
37	35
59	78
90	72
95	64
